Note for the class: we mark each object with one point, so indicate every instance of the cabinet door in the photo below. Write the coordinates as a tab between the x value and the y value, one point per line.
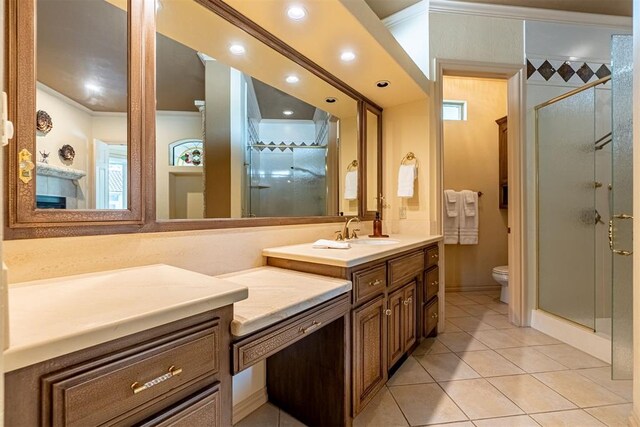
394	326
409	316
369	350
202	409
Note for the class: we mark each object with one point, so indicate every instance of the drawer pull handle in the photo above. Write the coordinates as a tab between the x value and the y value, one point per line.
408	301
434	316
173	371
387	312
313	326
375	282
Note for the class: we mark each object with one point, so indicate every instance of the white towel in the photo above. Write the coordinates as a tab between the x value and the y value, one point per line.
451	219
406	176
351	185
469	218
330	244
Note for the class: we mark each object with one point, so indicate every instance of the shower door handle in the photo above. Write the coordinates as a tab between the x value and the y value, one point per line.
618	251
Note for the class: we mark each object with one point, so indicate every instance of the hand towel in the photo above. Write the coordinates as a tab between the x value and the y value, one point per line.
351	185
451	219
330	244
406	177
469	220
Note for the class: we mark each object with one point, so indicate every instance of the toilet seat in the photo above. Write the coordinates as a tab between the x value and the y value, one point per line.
501	270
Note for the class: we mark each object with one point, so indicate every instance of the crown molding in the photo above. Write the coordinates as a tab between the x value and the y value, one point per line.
422	7
529	14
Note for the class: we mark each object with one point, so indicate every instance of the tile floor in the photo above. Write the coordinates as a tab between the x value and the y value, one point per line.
484	372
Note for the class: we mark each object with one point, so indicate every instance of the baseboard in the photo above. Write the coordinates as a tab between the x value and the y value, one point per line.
573	334
250	404
473	288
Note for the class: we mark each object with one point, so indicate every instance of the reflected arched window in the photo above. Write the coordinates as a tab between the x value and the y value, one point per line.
186	152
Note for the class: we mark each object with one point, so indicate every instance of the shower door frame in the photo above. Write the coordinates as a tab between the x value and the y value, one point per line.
519	305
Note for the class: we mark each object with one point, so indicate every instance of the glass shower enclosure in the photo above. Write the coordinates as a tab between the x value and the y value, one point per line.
584	175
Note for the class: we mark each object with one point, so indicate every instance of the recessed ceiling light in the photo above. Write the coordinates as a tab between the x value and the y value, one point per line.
347	56
330	100
287	112
237	49
383	83
296	13
292	79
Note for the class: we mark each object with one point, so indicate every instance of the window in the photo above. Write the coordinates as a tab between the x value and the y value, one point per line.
186	152
454	110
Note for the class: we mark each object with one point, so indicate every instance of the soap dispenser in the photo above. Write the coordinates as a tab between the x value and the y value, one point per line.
377	226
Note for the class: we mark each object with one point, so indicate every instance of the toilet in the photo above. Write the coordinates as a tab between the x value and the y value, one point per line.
501	275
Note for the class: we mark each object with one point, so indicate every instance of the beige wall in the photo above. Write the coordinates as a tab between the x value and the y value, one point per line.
471	163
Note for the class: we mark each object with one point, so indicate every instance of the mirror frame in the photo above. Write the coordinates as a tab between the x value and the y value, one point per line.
364	213
25	221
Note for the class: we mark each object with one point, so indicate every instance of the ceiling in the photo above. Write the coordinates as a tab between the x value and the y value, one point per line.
385	8
272	102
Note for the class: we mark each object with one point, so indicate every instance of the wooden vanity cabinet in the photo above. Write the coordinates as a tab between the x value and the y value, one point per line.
431	286
503	163
174	374
401	327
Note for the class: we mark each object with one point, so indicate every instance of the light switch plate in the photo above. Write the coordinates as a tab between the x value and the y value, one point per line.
403	212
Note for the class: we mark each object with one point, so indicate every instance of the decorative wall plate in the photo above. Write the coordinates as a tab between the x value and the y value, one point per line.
43	123
67	153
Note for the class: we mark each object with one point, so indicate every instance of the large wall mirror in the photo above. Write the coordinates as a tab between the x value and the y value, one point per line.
152	115
242	130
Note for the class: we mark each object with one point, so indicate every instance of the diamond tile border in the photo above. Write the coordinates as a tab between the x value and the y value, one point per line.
571	72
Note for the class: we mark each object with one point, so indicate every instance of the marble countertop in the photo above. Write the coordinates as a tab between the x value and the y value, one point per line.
357	254
276	294
52	317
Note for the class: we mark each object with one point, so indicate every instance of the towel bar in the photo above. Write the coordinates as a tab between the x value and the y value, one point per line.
408	158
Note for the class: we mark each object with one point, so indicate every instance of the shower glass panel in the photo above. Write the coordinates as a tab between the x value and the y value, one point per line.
566	207
622	204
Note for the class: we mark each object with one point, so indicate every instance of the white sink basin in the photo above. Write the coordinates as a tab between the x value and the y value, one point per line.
374	242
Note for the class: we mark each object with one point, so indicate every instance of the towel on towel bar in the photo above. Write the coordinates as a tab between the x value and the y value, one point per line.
451	219
406	177
469	218
351	185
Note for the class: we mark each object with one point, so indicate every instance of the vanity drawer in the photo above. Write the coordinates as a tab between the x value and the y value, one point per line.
432	256
403	269
431	283
96	393
430	317
369	283
201	409
261	345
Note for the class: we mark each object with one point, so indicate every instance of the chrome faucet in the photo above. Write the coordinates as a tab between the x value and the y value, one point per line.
345	231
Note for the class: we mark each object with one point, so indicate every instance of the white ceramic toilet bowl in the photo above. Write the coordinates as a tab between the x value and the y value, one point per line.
501	275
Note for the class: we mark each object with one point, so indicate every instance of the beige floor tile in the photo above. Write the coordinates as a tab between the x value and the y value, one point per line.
481	299
430	346
500	307
267	415
457	299
488	363
578	389
602	376
517	421
530	394
450	327
381	411
574	418
478	310
461	341
613	416
446	367
287	420
530	336
531	360
498	321
479	399
462	424
570	357
497	338
470	324
426	404
451	311
411	372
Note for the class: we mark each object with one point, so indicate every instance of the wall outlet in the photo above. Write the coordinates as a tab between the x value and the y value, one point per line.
403	212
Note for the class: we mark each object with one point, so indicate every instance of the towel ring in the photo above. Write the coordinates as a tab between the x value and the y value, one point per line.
352	166
408	158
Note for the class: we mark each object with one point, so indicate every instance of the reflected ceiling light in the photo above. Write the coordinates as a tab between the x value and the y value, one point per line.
330	100
287	112
347	56
296	13
158	5
383	83
237	49
92	87
292	79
